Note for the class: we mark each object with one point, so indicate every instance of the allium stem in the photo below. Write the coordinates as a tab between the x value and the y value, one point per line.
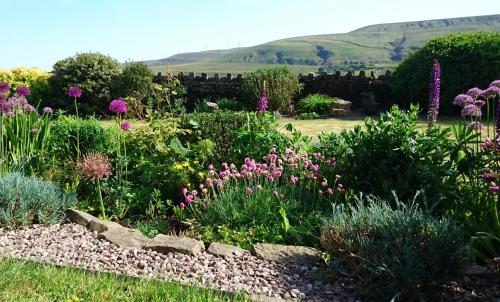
101	202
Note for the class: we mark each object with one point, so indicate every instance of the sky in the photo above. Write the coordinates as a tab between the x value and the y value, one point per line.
37	33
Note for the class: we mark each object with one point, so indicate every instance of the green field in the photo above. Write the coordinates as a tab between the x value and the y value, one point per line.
22	281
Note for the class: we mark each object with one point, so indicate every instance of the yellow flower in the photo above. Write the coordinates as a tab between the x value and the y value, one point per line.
201	174
185	164
178	166
196	162
191	169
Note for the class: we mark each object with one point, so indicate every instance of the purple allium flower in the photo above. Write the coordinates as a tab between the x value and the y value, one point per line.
330	191
497	117
189	199
47	110
182	205
262	103
462	100
28	108
491	91
125	126
118	106
474	92
4	87
471	110
434	90
476	126
95	166
495	83
74	92
479	103
487	145
249	191
23	91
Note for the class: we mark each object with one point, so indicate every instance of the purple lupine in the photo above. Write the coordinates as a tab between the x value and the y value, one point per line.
4	88
74	92
118	106
434	90
462	100
23	91
262	104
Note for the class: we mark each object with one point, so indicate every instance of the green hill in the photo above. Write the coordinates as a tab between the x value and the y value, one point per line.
373	47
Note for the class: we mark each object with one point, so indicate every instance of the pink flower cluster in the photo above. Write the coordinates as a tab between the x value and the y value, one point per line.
95	166
16	103
289	170
475	98
492	178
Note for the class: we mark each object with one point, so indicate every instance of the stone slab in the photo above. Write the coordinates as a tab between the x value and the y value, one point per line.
79	217
164	244
225	250
301	255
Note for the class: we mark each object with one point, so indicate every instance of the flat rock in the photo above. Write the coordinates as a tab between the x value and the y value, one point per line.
99	226
79	217
225	250
164	244
341	104
124	237
286	253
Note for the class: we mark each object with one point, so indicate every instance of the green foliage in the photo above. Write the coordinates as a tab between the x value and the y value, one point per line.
316	103
151	228
219	127
134	78
231	105
390	154
28	200
308	116
483	247
94	73
281	85
393	253
467	60
37	80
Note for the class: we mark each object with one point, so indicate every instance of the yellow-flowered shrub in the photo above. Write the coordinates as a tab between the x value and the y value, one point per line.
36	79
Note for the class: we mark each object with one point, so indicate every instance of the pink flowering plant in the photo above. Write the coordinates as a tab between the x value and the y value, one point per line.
279	199
23	131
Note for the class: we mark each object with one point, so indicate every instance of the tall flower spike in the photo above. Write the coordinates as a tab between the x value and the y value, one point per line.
262	104
434	90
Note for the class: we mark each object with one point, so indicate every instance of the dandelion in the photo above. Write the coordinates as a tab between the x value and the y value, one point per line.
47	110
74	92
118	106
125	126
23	91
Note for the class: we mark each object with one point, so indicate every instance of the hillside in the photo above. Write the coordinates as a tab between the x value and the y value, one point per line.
373	47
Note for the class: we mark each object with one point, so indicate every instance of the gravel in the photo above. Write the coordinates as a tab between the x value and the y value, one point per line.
74	245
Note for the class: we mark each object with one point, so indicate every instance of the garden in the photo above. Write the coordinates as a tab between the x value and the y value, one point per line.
106	170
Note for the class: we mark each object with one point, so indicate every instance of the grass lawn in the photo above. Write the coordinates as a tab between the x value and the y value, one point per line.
30	281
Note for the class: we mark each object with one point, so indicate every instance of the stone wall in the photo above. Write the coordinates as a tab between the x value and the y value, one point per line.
347	86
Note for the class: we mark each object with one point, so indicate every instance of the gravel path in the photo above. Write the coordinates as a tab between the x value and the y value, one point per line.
74	245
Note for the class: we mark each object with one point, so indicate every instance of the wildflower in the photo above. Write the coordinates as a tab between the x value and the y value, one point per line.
475	126
74	92
270	178
320	192
118	106
259	187
182	205
95	166
495	83
262	102
479	103
35	130
487	145
497	117
47	110
474	92
28	108
491	91
201	174
194	193
314	168
178	166
188	199
471	110
276	194
324	183
494	187
4	87
210	167
249	191
330	191
209	182
293	179
204	190
289	152
23	91
489	176
205	202
463	100
184	191
125	126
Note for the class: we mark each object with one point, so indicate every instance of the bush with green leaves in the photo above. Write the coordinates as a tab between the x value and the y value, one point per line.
28	200
229	104
316	103
135	80
391	154
281	86
467	60
94	73
393	253
308	116
35	79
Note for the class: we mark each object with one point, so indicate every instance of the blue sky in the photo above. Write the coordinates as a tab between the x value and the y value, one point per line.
40	32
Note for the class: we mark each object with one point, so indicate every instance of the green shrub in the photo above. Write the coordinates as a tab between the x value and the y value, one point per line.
390	154
25	201
231	105
467	60
308	116
37	80
219	127
135	80
393	252
94	73
281	85
317	103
